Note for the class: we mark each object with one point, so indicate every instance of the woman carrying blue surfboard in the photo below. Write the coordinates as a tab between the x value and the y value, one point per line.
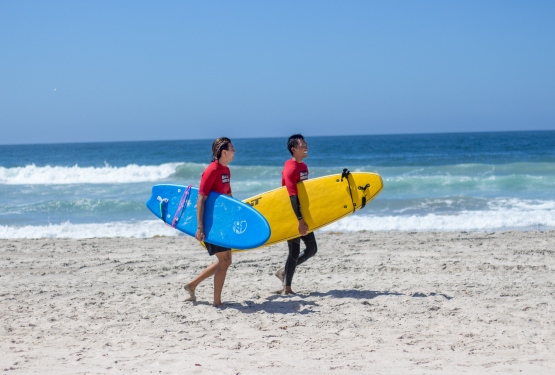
216	177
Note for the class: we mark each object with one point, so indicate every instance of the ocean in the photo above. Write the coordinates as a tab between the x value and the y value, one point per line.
432	182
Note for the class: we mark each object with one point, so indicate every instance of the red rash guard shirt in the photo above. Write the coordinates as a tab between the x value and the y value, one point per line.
293	173
215	178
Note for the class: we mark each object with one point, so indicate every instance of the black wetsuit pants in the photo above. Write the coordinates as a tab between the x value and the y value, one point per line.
297	257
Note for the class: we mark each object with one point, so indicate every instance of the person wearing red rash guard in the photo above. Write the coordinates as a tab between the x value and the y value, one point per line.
295	171
216	178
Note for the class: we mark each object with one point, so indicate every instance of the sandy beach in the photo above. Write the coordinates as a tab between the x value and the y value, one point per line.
368	302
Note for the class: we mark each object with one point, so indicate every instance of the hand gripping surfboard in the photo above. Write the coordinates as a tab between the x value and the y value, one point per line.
228	222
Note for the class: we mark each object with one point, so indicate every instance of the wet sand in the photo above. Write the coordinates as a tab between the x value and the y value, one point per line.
369	302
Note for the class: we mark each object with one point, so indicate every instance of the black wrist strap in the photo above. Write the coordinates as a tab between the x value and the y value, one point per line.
296	206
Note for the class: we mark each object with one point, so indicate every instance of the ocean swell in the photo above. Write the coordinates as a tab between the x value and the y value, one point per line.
466	221
47	175
506	214
142	229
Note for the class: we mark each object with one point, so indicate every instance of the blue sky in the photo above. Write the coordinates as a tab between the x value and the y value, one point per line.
129	70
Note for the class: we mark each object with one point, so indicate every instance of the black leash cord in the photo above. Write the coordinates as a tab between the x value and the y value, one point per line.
346	174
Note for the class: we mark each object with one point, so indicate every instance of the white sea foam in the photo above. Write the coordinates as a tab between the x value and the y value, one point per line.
502	219
142	229
467	220
33	175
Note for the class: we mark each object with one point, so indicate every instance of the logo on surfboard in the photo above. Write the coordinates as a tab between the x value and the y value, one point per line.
240	227
254	202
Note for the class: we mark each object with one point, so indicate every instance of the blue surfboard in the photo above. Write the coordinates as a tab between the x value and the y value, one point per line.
228	222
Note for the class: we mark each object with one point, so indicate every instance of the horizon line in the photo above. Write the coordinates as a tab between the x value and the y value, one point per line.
334	135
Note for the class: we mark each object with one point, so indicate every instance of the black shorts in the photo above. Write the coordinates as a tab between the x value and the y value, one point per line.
213	249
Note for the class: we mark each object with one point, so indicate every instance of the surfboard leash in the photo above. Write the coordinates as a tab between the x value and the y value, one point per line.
179	212
346	174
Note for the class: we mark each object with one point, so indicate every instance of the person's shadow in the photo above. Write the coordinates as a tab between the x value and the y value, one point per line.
368	294
290	304
277	304
353	293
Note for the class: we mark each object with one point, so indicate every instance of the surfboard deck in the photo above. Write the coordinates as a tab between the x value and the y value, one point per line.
324	200
228	222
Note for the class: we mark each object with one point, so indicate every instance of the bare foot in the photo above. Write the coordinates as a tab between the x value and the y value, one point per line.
219	305
191	292
280	274
288	290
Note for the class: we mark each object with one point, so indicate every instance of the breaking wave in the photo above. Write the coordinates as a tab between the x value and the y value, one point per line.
47	175
504	219
142	229
503	214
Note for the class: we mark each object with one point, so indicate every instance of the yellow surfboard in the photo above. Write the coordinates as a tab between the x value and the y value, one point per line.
324	200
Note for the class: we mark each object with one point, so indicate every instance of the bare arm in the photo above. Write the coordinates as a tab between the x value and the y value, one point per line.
200	217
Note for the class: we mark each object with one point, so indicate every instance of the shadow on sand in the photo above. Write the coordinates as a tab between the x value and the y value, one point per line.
351	293
296	304
368	294
286	305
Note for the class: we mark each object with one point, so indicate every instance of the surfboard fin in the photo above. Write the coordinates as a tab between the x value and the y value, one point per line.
363	198
162	201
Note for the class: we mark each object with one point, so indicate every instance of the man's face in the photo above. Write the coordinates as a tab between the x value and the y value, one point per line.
301	151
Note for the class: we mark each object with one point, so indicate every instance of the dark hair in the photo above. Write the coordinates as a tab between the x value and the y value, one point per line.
219	145
293	141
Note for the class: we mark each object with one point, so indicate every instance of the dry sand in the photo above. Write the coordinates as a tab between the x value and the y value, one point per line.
371	302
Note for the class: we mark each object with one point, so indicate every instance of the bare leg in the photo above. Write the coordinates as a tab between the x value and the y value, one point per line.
224	261
208	271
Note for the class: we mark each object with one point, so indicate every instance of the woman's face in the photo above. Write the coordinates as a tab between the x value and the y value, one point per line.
229	154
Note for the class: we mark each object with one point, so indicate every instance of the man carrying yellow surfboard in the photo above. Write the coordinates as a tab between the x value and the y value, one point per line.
295	171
